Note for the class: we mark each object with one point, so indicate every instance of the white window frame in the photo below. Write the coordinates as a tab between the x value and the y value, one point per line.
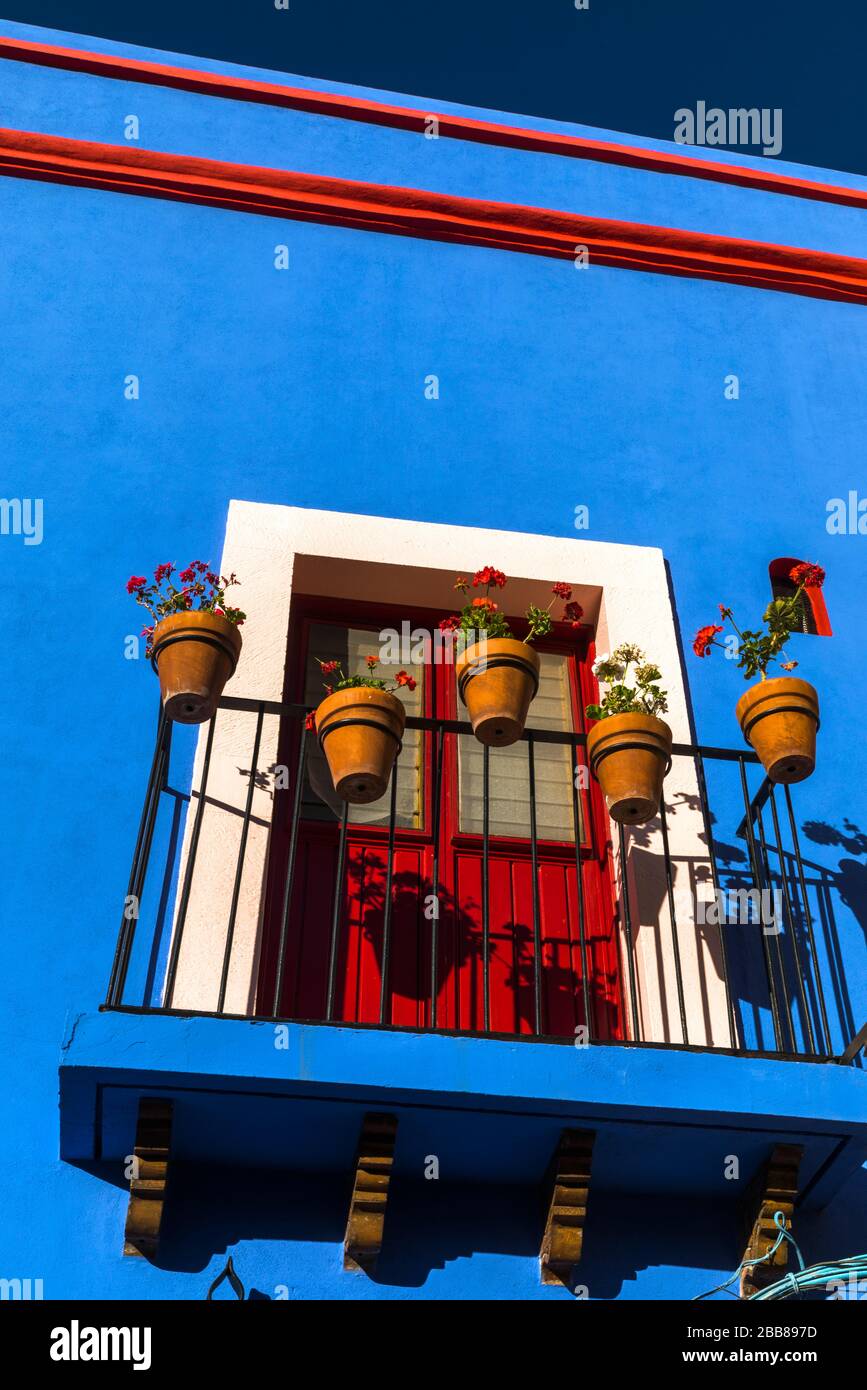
624	591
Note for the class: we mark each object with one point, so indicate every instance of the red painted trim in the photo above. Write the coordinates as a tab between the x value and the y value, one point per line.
437	216
781	569
408	118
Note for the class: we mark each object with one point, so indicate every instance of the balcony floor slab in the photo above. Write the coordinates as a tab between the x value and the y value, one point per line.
292	1096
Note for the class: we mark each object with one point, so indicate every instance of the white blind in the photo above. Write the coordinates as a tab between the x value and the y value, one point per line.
509	776
351	647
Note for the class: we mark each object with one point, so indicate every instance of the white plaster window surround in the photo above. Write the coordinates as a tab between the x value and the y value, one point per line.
624	591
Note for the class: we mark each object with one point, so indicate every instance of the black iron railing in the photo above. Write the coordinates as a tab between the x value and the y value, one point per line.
782	979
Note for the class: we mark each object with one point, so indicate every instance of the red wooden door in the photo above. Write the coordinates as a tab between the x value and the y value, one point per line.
455	912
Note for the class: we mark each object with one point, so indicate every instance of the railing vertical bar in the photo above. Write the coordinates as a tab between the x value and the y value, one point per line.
337	914
486	836
714	875
387	905
538	1020
628	934
582	924
778	949
757	879
790	917
126	931
177	939
627	927
678	974
435	875
290	868
239	867
826	1042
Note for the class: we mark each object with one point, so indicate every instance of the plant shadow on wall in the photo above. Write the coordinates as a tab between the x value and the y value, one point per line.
848	883
460	957
826	889
815	981
850	878
264	780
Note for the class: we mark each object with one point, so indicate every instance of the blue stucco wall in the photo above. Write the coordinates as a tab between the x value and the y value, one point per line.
557	388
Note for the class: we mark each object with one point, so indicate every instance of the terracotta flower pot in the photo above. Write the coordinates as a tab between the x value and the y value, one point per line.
779	718
360	732
194	654
629	755
497	679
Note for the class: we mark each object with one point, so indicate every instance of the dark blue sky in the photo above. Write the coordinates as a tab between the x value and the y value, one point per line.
624	65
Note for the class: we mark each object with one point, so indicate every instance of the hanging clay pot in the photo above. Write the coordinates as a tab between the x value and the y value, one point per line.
629	755
194	654
780	718
360	732
497	679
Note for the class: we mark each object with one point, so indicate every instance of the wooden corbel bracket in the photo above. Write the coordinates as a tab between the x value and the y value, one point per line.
373	1165
567	1206
774	1189
147	1184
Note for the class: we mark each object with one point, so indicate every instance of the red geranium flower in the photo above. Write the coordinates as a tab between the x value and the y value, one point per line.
372	662
574	613
310	722
562	591
162	572
486	603
187	576
449	624
704	639
811	576
489	576
403	678
135	582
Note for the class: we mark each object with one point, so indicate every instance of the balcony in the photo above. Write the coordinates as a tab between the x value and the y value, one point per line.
497	1035
703	945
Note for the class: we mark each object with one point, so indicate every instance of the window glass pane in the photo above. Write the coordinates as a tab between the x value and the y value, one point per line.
350	646
509	774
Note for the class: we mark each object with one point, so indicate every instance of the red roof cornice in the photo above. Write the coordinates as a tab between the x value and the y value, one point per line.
437	216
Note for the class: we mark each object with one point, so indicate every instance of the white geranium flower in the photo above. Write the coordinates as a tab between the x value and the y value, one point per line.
608	668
